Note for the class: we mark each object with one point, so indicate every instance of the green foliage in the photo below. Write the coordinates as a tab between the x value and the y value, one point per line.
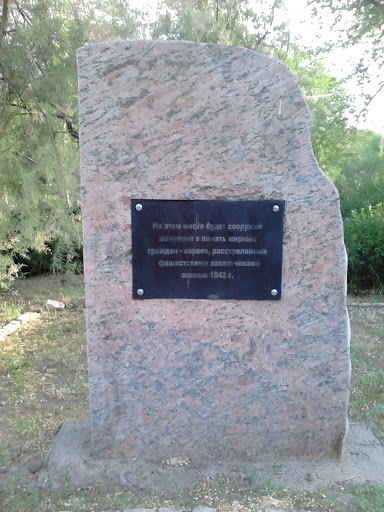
223	22
38	134
40	211
364	238
361	187
358	22
365	19
354	161
8	270
329	104
361	183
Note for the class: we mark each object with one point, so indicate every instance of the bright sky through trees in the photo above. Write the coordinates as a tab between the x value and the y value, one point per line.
340	62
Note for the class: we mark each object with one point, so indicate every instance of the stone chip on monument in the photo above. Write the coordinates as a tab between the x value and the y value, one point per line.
208	377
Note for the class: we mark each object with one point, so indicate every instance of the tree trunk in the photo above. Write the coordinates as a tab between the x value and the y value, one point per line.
4	25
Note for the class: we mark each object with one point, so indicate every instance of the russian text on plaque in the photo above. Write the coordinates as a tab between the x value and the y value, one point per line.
207	249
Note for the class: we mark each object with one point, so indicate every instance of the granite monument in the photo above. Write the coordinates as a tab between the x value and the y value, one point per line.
236	346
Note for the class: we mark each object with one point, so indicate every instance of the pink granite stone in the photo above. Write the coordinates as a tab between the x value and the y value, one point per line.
209	378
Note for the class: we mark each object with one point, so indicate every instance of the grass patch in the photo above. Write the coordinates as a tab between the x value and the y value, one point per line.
44	380
367	355
356	498
367	497
43	370
10	309
367	389
12	358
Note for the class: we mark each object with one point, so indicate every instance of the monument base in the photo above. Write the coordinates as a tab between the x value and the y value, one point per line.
70	464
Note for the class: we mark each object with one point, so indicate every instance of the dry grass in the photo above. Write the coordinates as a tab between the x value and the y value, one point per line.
367	354
43	370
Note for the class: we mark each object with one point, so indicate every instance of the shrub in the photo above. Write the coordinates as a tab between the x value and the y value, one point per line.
364	239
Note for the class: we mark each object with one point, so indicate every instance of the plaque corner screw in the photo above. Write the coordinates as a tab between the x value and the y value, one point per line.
140	292
139	207
275	208
274	292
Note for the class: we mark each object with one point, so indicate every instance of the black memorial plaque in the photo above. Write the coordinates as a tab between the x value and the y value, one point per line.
207	249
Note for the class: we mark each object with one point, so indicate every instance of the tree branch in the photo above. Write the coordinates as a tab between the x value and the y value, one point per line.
375	3
50	131
70	128
370	99
26	17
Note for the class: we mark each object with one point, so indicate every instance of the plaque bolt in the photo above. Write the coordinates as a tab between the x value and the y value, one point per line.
140	291
139	207
274	292
275	208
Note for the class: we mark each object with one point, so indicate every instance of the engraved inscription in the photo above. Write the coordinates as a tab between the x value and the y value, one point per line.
207	249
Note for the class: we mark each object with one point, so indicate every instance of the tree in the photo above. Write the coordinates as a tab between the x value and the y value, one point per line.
40	210
329	103
359	22
221	21
361	183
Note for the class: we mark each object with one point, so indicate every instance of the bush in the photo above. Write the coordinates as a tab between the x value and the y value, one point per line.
361	181
364	239
8	270
58	257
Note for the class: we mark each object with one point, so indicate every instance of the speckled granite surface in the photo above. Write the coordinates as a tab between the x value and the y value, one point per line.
200	378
